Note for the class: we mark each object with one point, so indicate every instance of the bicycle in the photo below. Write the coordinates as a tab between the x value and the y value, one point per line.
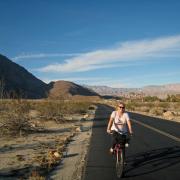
119	153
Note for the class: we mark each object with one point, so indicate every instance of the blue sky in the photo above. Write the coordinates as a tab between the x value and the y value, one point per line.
117	43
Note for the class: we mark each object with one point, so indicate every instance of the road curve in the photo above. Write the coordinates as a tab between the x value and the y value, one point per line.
151	155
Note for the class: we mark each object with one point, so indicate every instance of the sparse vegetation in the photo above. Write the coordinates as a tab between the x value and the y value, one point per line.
44	146
151	105
36	176
15	118
151	99
173	98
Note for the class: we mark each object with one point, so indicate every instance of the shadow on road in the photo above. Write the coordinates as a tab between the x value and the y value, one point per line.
151	161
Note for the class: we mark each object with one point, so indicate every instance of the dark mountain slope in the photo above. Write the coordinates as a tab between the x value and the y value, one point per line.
17	81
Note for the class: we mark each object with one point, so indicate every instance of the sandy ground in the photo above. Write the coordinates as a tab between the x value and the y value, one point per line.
73	162
32	156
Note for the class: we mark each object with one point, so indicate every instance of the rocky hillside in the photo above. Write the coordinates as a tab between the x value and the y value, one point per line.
16	81
62	89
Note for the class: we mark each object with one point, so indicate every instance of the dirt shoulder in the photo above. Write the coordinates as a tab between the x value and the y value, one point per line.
73	162
39	154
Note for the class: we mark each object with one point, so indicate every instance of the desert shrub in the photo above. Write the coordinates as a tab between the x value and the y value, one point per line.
156	111
36	176
176	106
149	104
77	107
51	109
164	105
130	106
143	109
151	99
15	125
173	98
134	105
15	121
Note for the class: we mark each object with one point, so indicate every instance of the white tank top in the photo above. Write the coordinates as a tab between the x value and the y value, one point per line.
120	123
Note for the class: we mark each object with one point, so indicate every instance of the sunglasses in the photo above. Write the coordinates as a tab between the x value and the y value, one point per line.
122	107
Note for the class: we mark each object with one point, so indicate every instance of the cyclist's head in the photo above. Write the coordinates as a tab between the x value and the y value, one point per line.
121	106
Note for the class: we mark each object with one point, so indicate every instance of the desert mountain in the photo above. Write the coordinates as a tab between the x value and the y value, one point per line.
17	81
61	89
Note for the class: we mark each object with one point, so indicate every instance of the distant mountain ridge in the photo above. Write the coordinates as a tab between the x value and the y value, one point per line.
158	90
162	90
105	90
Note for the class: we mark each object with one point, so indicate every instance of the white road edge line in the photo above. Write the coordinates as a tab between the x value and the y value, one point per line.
157	130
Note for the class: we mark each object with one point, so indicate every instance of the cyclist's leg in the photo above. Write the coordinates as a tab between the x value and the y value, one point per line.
113	141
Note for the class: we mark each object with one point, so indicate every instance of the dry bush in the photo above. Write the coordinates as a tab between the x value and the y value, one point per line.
36	176
134	105
15	117
15	121
156	111
164	105
131	106
52	109
176	106
143	109
74	107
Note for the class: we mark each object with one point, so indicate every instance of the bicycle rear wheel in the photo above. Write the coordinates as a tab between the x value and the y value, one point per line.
119	164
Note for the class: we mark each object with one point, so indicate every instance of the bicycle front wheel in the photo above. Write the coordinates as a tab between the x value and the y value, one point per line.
119	164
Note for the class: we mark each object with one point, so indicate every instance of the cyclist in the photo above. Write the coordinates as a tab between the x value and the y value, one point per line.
119	125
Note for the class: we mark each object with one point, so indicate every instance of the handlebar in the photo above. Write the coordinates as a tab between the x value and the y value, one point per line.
127	134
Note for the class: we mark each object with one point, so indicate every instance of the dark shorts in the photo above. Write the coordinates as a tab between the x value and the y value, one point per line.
118	138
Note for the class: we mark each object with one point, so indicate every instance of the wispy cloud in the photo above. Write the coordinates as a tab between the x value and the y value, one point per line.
115	82
99	81
76	79
124	52
43	55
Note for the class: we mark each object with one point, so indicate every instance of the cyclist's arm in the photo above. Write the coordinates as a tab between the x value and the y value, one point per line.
110	125
129	127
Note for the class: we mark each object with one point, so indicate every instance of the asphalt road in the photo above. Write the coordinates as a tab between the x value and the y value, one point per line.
150	156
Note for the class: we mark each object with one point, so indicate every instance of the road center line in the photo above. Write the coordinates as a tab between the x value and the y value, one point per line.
157	130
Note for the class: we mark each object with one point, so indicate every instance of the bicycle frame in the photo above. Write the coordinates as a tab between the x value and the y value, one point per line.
118	152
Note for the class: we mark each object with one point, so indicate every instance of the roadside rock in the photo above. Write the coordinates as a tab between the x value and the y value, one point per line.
34	113
168	115
78	129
